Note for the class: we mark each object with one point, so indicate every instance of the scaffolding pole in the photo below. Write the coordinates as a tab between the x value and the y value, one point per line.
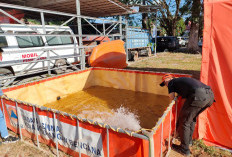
78	9
120	27
126	40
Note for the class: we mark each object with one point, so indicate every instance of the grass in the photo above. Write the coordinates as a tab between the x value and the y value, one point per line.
171	63
199	147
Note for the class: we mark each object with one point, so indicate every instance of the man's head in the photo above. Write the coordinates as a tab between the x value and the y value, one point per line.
165	79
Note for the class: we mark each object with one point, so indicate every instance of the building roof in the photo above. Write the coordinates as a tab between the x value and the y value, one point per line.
93	8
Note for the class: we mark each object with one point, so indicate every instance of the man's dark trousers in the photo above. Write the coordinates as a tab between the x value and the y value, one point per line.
193	106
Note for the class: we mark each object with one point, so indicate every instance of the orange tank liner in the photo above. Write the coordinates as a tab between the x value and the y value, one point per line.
109	55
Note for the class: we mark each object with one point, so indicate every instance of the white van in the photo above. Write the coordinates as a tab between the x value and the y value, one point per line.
27	54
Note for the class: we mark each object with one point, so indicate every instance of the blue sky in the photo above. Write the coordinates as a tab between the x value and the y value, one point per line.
137	17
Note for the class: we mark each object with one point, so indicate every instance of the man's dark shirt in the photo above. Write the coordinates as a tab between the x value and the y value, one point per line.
185	86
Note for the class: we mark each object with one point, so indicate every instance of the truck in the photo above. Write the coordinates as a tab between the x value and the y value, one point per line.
138	43
26	51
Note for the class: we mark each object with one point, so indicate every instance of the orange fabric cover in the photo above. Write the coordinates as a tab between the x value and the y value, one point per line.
109	54
215	124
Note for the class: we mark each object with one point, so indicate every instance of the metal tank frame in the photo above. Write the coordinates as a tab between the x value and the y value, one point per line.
143	133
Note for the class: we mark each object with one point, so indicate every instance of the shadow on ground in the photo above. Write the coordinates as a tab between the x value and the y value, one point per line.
195	74
183	50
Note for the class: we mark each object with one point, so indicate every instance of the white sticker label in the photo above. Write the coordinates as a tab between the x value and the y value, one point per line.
88	142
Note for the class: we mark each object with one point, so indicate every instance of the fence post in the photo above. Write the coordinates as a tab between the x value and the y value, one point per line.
108	143
18	114
170	128
79	137
151	142
161	140
169	135
55	139
49	68
175	120
36	128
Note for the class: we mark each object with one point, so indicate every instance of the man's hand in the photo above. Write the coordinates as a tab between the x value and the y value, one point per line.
172	96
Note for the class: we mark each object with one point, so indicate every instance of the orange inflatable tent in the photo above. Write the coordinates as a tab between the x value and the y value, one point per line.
109	55
215	124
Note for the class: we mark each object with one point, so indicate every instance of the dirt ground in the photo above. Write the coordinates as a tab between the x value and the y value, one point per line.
20	149
199	149
27	148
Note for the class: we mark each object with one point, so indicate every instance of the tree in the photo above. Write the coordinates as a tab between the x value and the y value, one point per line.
169	15
194	10
145	18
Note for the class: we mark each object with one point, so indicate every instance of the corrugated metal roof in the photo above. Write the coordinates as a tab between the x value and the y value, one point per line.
93	8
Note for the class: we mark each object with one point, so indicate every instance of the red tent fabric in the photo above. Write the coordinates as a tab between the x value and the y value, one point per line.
215	124
16	13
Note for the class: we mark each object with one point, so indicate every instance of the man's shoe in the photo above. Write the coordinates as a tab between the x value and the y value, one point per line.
10	139
191	143
181	150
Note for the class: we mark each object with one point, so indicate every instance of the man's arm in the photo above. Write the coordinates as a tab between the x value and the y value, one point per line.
172	95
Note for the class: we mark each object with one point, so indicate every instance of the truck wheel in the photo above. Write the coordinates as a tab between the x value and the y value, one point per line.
4	73
130	56
60	64
136	56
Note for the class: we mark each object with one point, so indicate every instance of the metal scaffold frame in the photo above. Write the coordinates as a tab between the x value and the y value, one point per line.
81	57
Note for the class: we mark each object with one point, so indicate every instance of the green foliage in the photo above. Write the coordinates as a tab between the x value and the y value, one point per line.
34	21
180	27
149	44
192	9
152	45
198	145
162	31
168	17
186	8
51	22
56	23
